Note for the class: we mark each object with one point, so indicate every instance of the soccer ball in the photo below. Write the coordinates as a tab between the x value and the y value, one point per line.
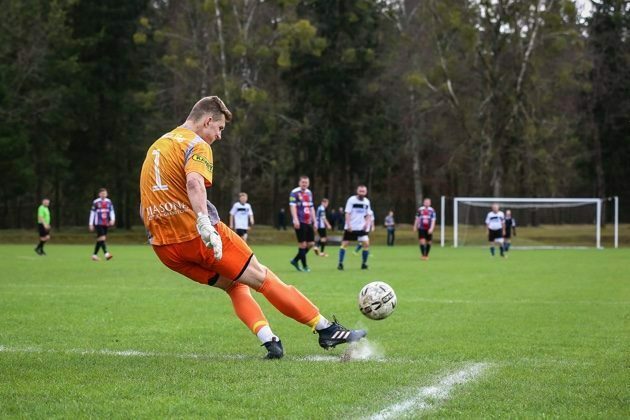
377	300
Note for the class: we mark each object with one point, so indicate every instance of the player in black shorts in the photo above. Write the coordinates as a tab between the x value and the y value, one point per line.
102	216
495	222
43	226
510	229
321	221
358	223
425	224
301	206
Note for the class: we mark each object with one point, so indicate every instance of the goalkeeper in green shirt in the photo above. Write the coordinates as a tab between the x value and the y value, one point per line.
43	224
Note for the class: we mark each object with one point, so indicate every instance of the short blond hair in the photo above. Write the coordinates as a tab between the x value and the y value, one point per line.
212	105
242	194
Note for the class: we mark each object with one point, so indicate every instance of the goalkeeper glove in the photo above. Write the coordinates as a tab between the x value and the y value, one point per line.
209	235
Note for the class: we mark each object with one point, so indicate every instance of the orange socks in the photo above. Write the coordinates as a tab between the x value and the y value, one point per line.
288	300
246	307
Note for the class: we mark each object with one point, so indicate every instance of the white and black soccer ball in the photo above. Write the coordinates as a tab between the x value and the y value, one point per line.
377	300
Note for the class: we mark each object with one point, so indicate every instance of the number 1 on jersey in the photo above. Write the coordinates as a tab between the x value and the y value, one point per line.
158	179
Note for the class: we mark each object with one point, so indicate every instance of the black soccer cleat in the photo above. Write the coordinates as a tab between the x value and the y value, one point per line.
364	267
338	334
340	267
274	349
295	264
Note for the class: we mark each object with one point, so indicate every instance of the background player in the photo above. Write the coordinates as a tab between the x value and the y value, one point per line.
241	216
43	226
357	226
322	225
102	216
370	229
510	228
425	224
187	236
301	205
390	225
341	219
495	221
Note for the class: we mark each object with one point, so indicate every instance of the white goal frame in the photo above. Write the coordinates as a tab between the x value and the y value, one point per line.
596	201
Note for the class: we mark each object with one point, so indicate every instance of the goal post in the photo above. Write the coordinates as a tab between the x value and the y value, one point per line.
548	209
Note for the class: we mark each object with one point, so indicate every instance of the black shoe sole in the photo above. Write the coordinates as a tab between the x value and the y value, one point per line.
271	356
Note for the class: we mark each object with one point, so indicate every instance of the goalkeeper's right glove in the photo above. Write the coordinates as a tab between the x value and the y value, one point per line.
209	235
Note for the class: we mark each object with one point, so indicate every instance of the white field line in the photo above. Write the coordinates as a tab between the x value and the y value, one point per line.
429	397
314	358
139	353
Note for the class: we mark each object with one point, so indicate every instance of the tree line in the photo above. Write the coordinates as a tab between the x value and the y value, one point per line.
412	98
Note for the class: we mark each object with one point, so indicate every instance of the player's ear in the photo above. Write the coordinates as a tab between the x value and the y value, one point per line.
207	121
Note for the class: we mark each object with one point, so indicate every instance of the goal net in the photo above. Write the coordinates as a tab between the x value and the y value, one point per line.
540	222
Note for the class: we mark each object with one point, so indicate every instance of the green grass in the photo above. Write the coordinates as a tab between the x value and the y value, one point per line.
553	328
545	235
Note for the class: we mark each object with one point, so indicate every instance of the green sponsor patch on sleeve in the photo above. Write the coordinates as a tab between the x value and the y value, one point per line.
204	160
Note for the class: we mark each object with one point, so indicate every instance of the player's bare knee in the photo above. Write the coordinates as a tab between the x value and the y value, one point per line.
254	275
222	283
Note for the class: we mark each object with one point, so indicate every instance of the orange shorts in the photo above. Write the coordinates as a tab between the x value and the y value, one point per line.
195	261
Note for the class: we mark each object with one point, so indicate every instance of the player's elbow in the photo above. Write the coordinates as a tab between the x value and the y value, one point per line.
193	184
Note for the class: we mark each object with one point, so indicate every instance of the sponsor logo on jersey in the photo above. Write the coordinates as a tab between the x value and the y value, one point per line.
171	208
202	159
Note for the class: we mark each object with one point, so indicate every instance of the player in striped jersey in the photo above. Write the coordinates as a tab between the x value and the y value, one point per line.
322	224
425	224
102	216
301	206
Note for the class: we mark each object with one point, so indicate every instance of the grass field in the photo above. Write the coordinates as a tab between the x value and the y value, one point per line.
541	334
545	235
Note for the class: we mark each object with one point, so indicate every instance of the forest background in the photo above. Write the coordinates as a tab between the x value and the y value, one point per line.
412	98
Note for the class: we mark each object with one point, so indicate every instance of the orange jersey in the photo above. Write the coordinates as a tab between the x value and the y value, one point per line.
166	209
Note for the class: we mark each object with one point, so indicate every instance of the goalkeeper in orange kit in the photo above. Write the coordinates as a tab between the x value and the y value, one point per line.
187	236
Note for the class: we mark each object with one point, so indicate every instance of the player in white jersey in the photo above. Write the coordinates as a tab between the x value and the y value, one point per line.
370	229
495	222
321	221
241	216
358	224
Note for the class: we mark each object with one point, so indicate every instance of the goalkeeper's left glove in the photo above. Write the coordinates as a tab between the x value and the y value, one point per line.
209	235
